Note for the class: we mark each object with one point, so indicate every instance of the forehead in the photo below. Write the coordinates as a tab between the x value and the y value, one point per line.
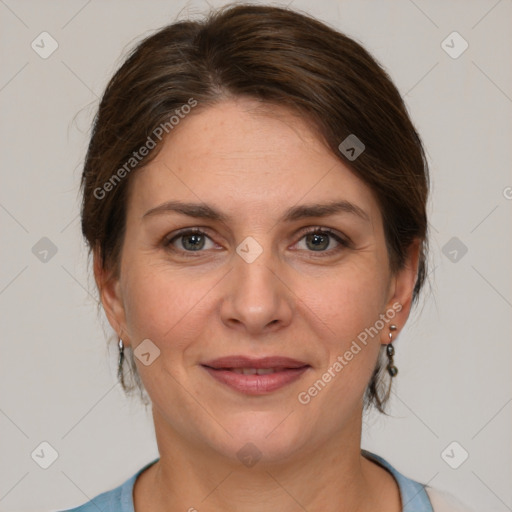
246	158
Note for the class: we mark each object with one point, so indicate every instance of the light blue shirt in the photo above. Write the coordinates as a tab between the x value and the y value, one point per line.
413	494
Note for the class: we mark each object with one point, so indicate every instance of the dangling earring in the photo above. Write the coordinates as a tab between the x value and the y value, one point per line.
121	359
390	351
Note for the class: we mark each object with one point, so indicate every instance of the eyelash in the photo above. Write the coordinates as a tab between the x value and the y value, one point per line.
343	243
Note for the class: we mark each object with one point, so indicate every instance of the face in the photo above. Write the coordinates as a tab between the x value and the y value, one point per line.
231	252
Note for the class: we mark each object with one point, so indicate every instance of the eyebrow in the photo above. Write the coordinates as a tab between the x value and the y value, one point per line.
204	211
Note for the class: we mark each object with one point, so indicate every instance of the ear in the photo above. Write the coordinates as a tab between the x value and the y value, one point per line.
110	295
401	291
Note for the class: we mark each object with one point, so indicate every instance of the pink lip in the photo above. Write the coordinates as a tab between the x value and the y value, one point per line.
257	384
250	362
288	371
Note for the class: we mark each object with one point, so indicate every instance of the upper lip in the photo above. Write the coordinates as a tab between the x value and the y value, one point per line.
250	362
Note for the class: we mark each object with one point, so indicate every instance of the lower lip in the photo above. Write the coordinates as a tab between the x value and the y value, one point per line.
257	384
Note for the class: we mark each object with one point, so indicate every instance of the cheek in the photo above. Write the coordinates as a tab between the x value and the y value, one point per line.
160	303
347	301
346	311
347	307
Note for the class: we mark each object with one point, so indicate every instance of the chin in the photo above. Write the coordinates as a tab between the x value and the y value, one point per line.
261	437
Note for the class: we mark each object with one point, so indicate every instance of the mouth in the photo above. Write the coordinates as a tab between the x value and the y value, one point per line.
254	371
256	376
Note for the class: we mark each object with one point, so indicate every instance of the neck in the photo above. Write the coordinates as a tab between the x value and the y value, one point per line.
331	476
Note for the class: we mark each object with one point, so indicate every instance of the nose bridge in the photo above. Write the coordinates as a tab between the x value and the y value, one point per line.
257	298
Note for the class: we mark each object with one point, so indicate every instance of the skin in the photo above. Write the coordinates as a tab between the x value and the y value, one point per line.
252	162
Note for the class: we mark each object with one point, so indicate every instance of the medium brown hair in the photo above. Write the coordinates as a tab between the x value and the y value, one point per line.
278	56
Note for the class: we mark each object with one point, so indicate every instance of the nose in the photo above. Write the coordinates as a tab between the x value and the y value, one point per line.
257	298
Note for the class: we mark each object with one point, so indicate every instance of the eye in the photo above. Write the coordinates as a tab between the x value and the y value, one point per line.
318	239
192	240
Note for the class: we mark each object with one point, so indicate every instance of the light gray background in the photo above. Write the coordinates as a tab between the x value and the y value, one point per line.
57	379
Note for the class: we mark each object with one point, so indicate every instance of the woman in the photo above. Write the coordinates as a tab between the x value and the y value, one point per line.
254	196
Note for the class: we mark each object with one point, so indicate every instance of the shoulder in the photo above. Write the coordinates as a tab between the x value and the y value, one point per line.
445	502
109	501
412	493
418	497
119	499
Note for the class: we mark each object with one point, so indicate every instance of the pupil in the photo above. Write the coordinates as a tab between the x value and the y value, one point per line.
319	241
197	242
